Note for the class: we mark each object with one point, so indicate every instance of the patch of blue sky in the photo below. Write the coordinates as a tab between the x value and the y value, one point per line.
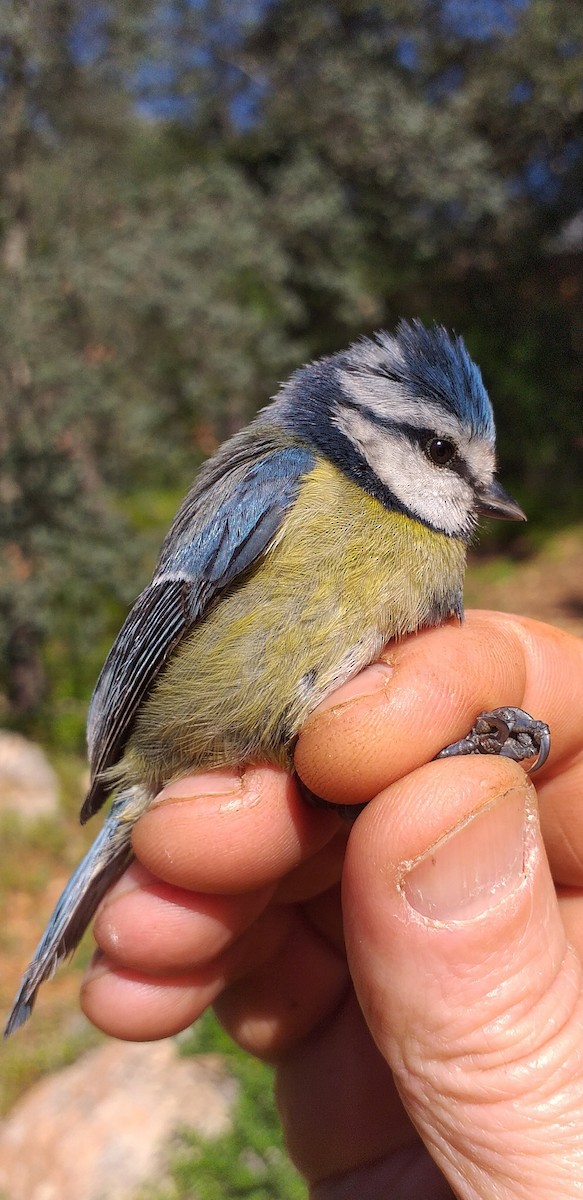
543	175
521	92
480	20
88	36
407	54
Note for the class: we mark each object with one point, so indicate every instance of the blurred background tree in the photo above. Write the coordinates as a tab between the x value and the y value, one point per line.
196	196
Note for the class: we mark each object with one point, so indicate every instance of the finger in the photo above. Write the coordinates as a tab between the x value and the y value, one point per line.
272	1008
229	831
554	687
338	1103
324	912
148	926
426	691
316	874
561	816
423	693
346	1129
137	1007
465	977
571	910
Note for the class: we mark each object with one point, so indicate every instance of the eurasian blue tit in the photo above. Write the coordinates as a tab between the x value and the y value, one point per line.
337	520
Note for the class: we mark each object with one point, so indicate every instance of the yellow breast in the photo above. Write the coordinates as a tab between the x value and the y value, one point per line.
342	577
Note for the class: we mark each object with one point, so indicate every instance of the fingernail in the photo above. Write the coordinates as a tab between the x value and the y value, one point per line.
475	865
211	783
366	683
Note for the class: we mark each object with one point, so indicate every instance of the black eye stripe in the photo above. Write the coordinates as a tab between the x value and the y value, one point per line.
415	434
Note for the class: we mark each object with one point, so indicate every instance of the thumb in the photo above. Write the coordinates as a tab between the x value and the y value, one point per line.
465	977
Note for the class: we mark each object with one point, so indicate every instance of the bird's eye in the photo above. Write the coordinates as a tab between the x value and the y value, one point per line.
440	451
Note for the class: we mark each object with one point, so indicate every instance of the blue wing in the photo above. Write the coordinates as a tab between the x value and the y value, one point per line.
224	525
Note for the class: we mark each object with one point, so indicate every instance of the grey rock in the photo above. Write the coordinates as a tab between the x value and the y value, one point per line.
102	1128
28	784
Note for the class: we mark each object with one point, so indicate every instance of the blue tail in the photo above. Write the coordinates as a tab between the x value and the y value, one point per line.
104	862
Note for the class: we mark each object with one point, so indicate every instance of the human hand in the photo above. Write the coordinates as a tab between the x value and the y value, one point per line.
441	1045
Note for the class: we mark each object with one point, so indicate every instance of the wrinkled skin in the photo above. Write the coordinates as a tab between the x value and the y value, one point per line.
419	1050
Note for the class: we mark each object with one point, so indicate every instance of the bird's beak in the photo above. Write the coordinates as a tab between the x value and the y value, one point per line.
493	501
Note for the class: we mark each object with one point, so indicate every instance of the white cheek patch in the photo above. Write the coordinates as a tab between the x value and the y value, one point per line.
437	496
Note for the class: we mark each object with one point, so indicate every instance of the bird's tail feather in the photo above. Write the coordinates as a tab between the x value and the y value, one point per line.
104	862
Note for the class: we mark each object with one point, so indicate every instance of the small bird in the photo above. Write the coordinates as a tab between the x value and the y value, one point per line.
337	520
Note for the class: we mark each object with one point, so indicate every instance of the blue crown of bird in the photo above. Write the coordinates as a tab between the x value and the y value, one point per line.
337	520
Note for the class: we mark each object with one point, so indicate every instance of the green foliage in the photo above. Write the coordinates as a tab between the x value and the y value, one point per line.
249	1162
